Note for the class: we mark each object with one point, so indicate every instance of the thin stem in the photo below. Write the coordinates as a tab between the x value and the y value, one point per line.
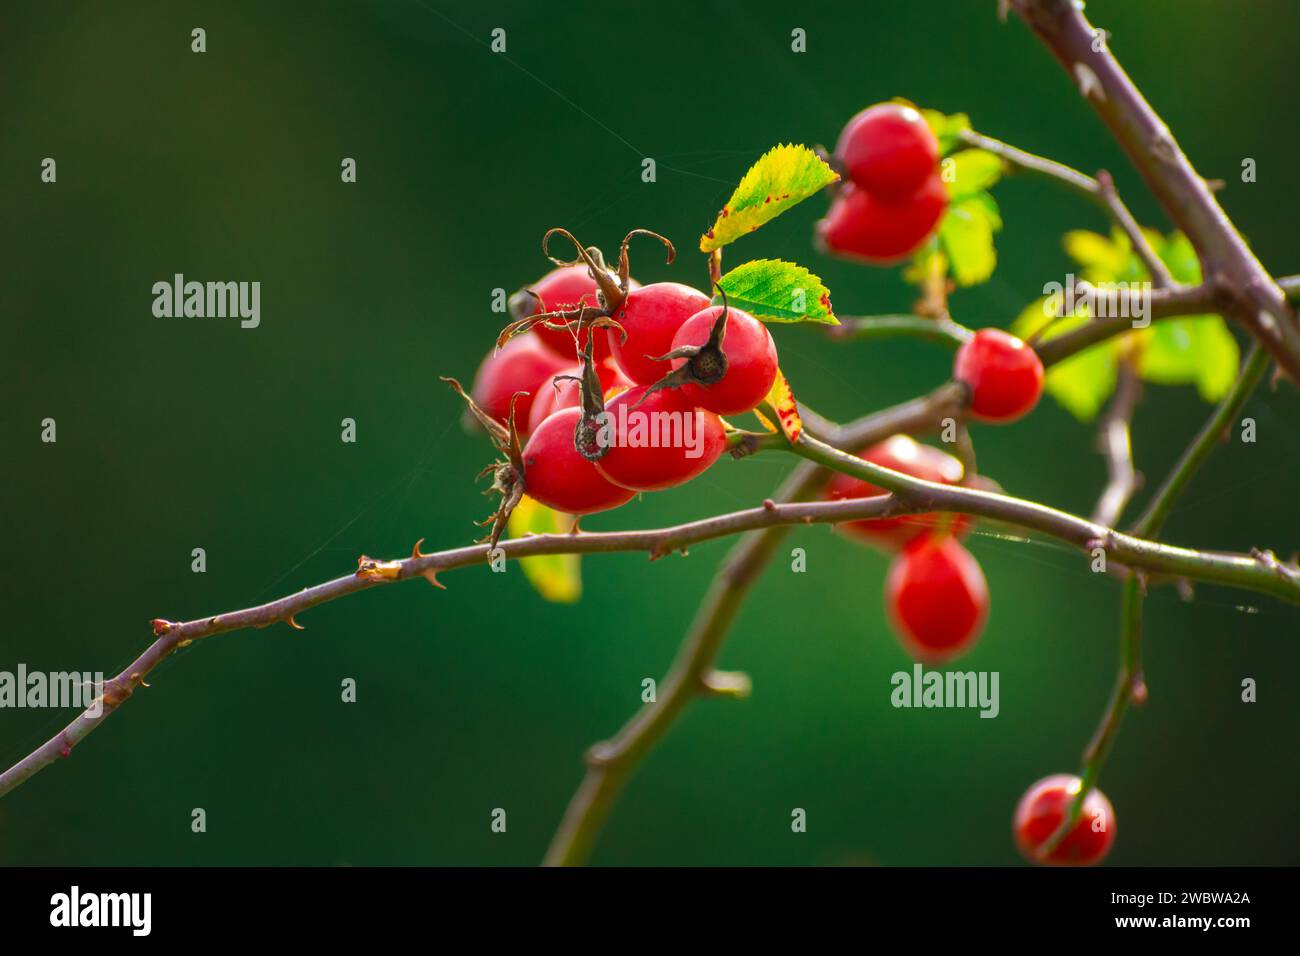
1100	191
1130	688
1117	446
1117	309
1221	419
944	331
1118	305
1259	571
611	764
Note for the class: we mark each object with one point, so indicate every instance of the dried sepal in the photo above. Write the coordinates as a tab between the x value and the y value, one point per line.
507	475
624	269
705	364
611	291
586	433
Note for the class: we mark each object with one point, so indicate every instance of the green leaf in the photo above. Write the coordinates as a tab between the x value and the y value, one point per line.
1195	350
946	129
777	291
1083	382
970	172
556	577
786	175
966	234
1178	254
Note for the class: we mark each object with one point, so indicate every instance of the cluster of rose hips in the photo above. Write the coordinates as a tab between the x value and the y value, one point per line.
588	340
894	195
935	593
595	341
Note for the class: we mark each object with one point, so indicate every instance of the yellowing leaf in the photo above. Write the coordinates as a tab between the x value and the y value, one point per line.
946	129
969	172
1195	350
780	403
966	233
783	177
556	577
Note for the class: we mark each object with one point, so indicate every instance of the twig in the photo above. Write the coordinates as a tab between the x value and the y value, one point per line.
1117	305
1156	267
1130	688
1258	303
612	763
1221	419
1117	446
1100	191
943	331
1260	571
1116	308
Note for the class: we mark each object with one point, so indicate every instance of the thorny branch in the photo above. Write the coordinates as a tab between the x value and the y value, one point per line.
1256	299
1260	572
1235	284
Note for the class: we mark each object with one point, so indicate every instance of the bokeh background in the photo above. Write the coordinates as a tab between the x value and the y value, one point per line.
183	433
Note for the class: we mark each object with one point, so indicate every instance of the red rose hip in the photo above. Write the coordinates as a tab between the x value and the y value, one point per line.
888	150
751	361
651	317
521	365
553	395
559	477
861	225
567	288
899	453
1005	375
663	442
1042	810
936	597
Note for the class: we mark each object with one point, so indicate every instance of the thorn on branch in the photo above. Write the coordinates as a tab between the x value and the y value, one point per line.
429	574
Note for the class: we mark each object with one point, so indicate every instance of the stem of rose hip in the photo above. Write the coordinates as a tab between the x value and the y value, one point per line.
1130	688
943	331
1223	417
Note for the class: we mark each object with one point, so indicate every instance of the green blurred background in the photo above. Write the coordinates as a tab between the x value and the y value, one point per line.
183	433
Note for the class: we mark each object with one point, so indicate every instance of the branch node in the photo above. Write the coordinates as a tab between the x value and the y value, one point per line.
373	570
601	755
734	685
1137	691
